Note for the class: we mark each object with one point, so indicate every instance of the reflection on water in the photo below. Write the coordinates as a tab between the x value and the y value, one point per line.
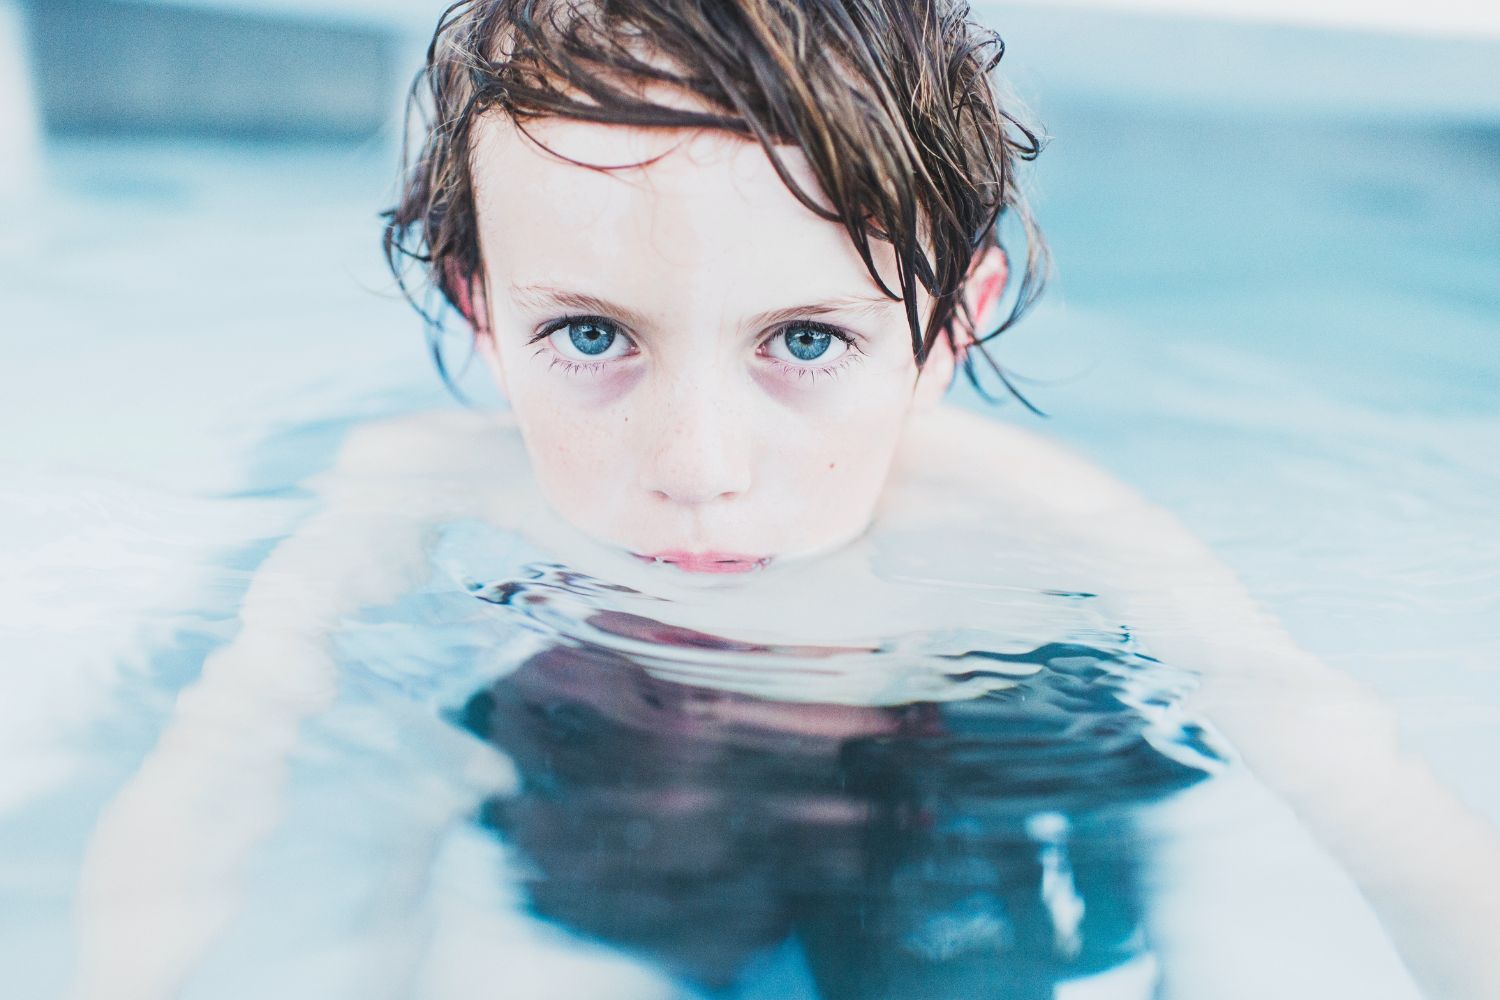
977	847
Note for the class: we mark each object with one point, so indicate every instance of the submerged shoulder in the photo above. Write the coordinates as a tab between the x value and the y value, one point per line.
445	463
445	443
1025	475
1001	458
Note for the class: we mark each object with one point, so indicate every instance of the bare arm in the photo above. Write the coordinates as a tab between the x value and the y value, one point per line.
161	876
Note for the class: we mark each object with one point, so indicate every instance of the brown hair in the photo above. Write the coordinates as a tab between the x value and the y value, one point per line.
891	102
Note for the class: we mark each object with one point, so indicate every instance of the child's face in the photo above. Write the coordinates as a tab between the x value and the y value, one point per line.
701	368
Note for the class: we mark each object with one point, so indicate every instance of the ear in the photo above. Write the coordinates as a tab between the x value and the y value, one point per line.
985	284
470	300
467	296
982	290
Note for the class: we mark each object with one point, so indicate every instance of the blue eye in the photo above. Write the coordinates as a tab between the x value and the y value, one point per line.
807	344
802	344
588	340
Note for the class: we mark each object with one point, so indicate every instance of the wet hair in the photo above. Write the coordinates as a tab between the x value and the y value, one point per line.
892	103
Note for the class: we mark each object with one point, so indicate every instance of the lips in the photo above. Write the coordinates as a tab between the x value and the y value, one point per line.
706	562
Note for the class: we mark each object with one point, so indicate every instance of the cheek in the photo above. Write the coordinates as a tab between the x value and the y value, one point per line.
577	435
836	402
836	439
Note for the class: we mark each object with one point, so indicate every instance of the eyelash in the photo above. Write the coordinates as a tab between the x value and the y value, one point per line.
810	372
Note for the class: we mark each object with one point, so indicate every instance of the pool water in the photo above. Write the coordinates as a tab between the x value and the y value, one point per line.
520	782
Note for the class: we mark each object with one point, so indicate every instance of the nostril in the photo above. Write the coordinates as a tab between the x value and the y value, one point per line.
694	497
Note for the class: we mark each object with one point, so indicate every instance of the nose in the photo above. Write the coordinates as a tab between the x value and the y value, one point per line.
696	451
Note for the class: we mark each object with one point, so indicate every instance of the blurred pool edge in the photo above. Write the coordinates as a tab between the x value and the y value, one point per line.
331	70
1236	65
109	68
18	124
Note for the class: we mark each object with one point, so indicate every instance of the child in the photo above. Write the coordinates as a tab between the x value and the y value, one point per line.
723	260
710	336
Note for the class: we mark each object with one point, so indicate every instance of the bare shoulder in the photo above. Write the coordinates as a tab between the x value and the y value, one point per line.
391	483
434	465
448	443
1005	460
1134	546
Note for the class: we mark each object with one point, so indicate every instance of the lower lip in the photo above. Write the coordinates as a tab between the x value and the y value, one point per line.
706	562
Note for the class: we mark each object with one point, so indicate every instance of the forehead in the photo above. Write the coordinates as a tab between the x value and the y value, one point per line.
704	203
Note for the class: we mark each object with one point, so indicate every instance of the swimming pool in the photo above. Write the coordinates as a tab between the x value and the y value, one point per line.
1280	326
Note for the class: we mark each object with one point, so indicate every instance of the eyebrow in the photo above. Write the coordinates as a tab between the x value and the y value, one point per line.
549	296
